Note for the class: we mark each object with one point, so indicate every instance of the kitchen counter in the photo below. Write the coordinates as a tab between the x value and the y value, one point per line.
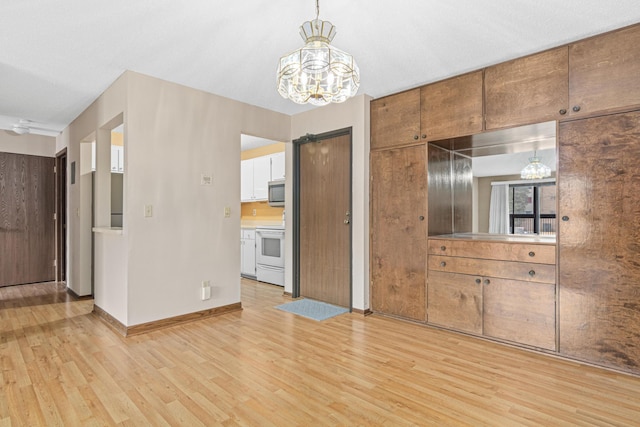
520	238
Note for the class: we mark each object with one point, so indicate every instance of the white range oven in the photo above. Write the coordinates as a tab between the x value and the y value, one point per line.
270	254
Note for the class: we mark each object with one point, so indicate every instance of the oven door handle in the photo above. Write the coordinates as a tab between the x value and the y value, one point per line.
270	267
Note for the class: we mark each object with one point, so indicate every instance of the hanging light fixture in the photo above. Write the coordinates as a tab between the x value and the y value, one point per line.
318	73
535	169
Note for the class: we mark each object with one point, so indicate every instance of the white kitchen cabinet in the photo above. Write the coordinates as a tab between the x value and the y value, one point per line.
277	166
255	175
117	159
248	253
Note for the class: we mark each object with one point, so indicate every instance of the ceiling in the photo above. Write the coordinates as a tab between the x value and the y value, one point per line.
57	57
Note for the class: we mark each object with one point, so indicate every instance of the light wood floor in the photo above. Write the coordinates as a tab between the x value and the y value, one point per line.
263	367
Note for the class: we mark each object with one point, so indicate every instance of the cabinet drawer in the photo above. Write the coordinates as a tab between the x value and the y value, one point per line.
455	301
523	252
521	312
528	272
249	234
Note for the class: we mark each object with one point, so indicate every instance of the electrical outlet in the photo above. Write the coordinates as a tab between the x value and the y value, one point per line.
227	212
206	179
206	290
253	212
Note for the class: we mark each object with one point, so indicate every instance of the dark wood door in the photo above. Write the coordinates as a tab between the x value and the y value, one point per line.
395	120
452	107
325	220
603	73
527	90
399	231
27	201
599	240
61	216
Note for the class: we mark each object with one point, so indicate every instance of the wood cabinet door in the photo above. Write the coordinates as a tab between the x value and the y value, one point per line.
399	231
527	90
455	301
395	120
452	107
603	72
599	240
522	312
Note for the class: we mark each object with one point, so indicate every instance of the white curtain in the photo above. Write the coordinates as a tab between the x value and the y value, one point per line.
499	209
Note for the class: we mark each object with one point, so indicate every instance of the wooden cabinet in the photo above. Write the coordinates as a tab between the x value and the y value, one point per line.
527	90
603	72
395	120
455	301
399	231
599	235
452	107
494	289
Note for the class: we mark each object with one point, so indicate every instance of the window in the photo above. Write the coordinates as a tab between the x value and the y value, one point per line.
532	208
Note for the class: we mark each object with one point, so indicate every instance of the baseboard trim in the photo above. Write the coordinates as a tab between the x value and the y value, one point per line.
76	296
287	294
143	328
366	312
111	321
178	320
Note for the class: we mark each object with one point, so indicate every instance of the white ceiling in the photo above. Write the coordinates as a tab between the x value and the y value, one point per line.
56	57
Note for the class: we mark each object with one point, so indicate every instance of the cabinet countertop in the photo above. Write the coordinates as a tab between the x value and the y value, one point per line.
520	238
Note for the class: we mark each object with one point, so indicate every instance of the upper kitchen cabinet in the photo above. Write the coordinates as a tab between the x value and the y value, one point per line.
255	175
527	90
604	72
395	120
277	166
452	107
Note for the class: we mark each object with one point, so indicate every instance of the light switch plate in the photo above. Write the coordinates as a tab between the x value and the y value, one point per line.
148	211
227	212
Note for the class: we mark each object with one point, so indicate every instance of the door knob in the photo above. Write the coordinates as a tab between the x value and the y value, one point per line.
346	221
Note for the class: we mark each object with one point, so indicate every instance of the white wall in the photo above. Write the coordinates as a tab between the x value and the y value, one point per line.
33	145
353	113
173	135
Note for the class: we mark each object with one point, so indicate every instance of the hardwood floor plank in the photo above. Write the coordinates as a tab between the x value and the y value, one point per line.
61	365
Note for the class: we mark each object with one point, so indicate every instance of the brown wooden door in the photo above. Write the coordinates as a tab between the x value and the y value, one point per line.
399	231
452	107
527	90
27	200
599	240
395	120
325	205
61	216
603	73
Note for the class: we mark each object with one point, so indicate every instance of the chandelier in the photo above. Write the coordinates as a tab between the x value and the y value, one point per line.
318	73
535	169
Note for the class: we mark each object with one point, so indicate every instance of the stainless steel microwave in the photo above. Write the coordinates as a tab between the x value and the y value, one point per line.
276	193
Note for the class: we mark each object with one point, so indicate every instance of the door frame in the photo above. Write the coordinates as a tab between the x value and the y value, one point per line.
297	143
61	215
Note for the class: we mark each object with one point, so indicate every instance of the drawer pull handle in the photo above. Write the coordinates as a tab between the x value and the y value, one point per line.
443	248
443	264
565	218
487	281
478	281
532	254
421	217
563	112
532	273
576	108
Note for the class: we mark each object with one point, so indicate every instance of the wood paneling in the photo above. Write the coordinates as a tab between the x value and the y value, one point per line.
603	73
455	301
522	312
452	107
529	252
527	90
399	231
599	249
325	203
395	120
27	228
541	273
